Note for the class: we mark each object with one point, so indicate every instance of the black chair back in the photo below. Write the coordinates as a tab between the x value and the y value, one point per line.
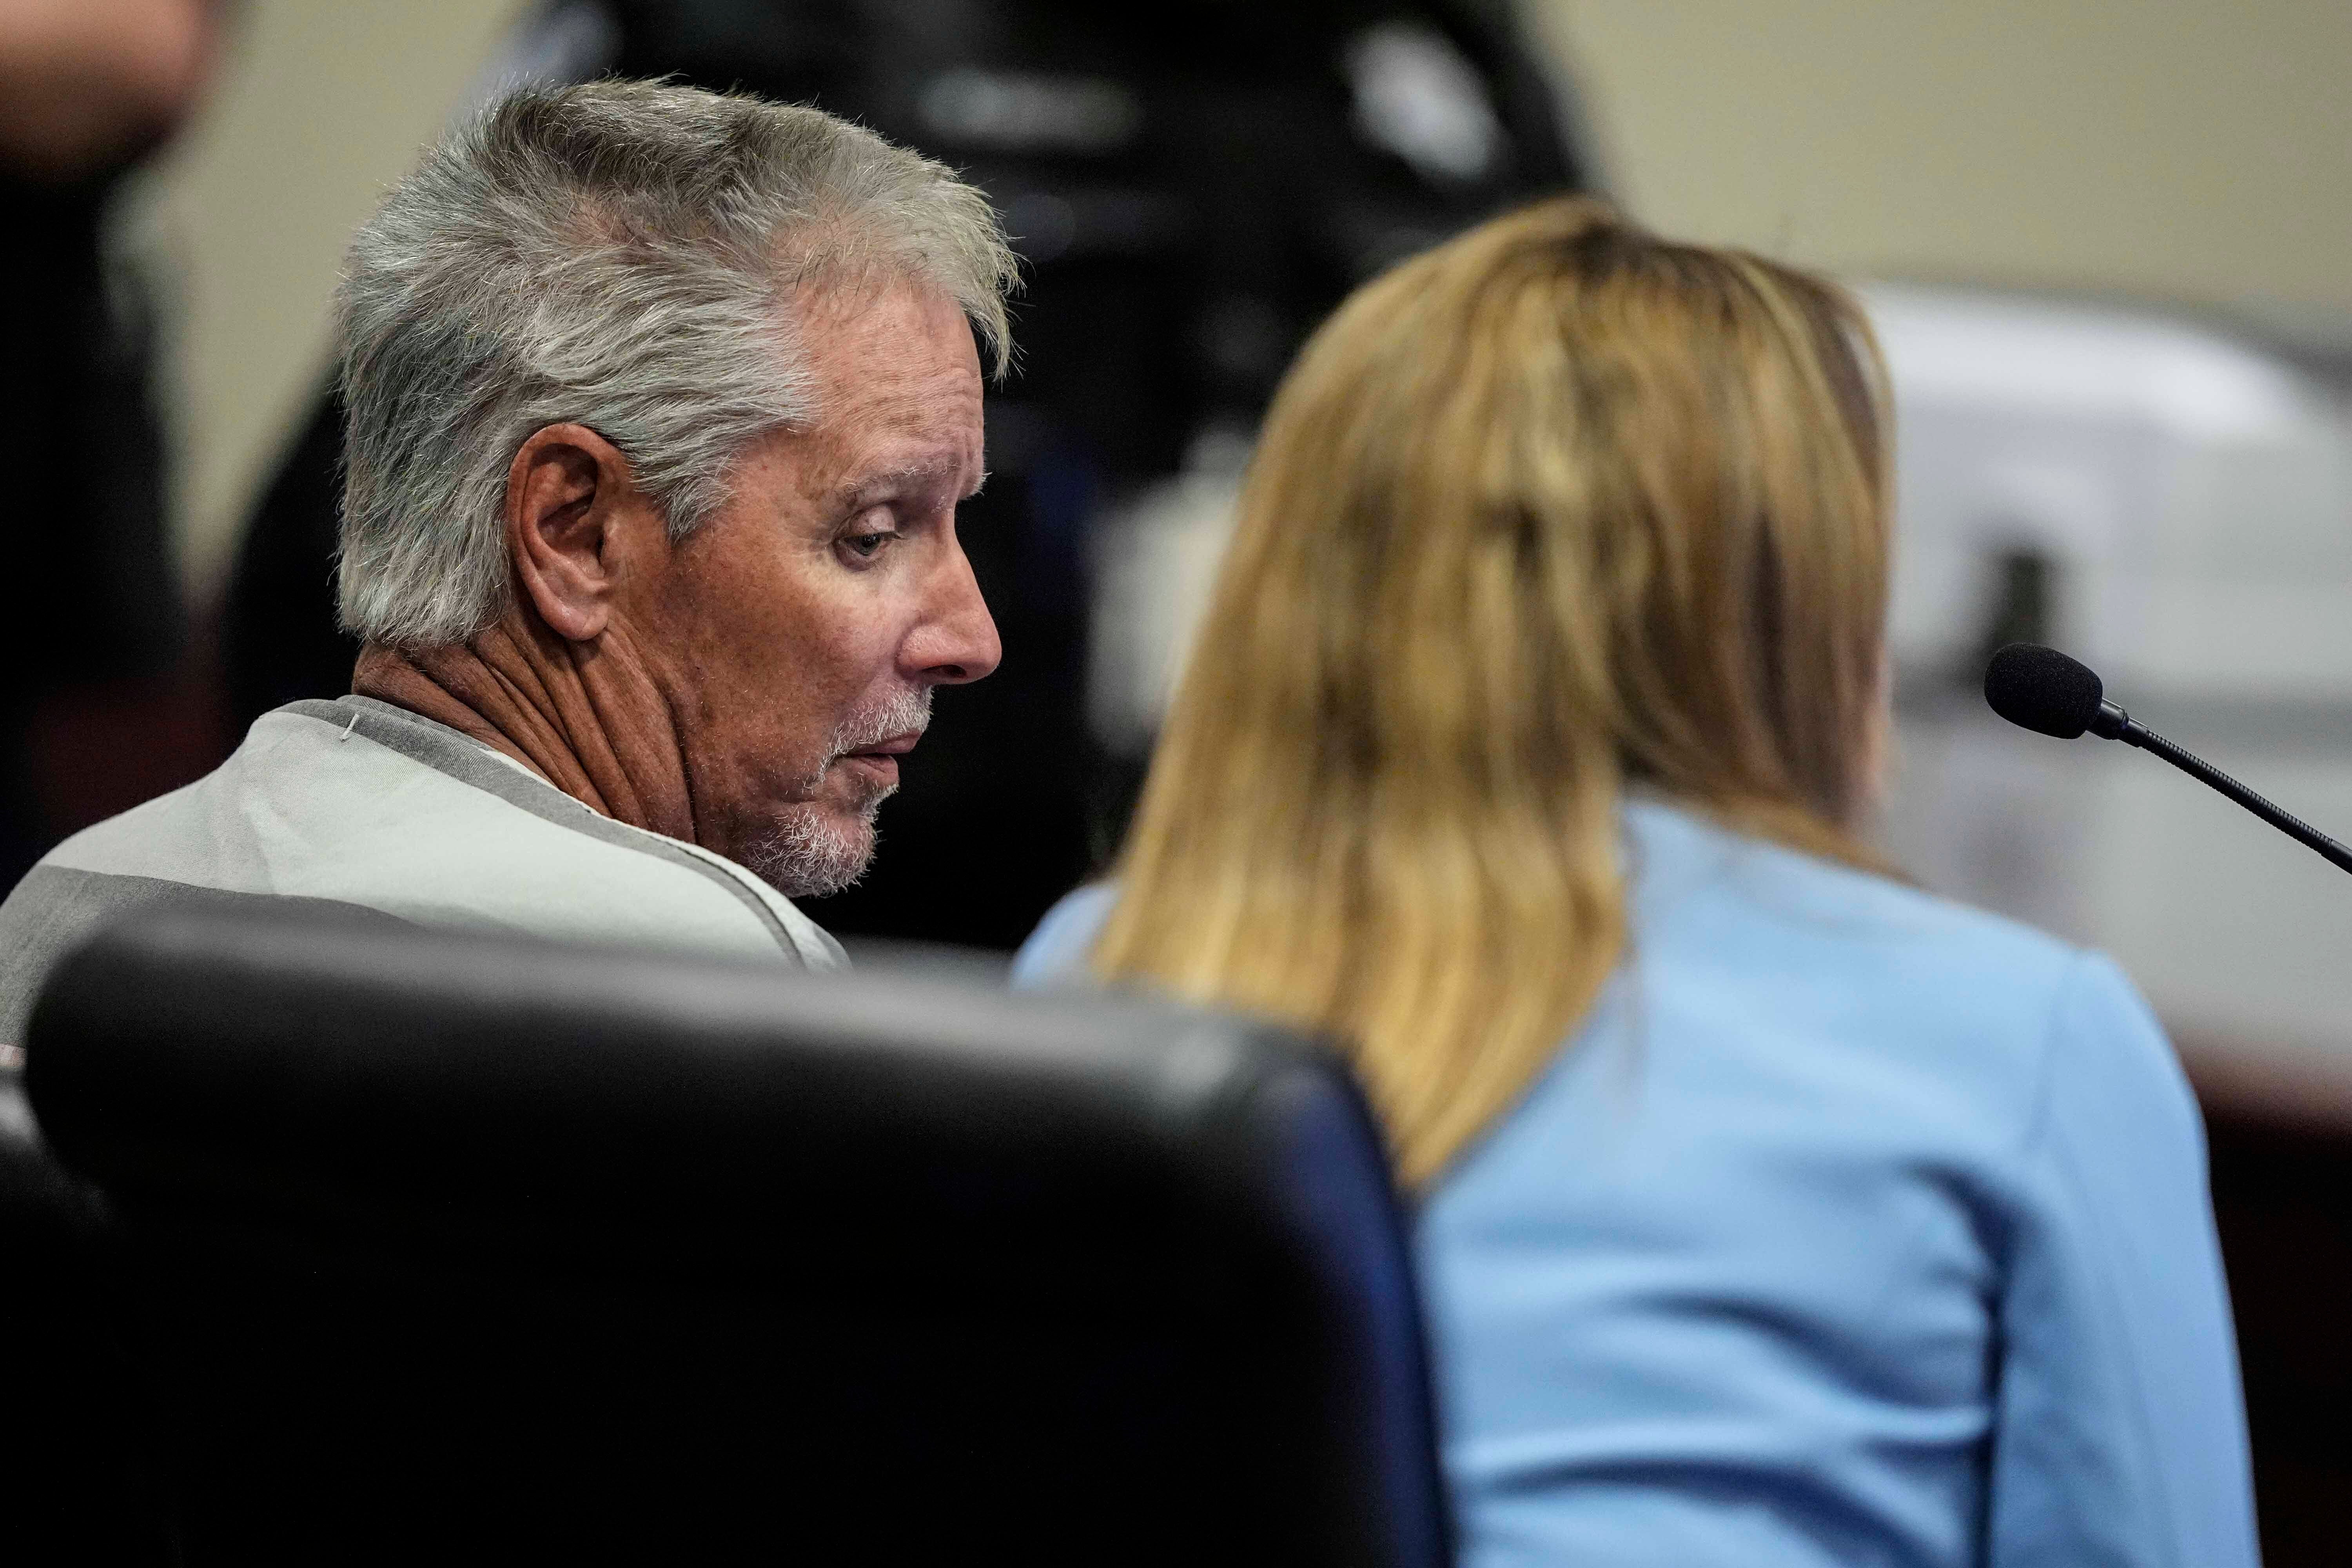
72	1489
438	1245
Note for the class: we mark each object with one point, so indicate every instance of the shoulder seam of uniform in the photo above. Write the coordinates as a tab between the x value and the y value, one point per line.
455	756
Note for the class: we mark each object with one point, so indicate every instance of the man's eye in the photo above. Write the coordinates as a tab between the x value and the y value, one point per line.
866	546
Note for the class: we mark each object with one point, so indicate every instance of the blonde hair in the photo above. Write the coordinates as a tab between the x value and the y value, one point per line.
1553	509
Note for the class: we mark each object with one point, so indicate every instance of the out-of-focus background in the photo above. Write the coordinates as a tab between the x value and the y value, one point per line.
2108	248
2176	149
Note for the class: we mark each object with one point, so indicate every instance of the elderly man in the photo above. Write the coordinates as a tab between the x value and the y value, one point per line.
661	403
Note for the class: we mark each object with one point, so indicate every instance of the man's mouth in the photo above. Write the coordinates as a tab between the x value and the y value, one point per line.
879	761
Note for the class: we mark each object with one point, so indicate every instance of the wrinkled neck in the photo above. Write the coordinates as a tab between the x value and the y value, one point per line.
591	725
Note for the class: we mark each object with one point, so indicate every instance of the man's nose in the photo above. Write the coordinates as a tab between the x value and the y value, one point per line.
957	641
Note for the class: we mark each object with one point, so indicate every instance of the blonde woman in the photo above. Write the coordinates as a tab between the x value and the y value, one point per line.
1772	1212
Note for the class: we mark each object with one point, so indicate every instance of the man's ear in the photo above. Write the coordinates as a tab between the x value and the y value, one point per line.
573	518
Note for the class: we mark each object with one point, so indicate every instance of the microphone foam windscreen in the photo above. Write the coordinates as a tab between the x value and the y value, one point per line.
2043	689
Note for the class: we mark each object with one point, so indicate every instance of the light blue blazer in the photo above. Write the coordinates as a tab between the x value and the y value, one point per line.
1853	1227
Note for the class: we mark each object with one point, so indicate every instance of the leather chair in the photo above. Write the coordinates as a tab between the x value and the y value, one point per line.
436	1246
72	1487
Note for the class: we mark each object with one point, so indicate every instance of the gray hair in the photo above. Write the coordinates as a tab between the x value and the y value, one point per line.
618	253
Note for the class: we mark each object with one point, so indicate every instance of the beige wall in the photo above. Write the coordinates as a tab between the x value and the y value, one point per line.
2176	148
2193	148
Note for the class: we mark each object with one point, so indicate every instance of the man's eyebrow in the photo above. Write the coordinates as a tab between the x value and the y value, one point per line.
907	479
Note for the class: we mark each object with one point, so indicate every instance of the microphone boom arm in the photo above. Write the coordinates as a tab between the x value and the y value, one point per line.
2115	724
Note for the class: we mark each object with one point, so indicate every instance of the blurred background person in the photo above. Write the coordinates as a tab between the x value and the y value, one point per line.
88	89
94	631
1775	1211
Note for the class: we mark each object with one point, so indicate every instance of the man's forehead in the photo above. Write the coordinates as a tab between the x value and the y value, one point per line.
899	390
844	323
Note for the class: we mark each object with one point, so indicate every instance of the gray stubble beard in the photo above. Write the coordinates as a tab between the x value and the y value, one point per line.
809	853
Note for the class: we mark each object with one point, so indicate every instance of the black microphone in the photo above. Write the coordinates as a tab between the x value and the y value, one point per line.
2044	690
